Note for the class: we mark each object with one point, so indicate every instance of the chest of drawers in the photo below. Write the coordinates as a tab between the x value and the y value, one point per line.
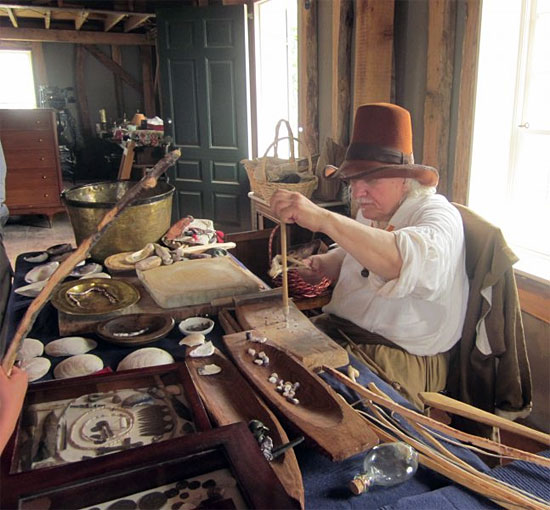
33	180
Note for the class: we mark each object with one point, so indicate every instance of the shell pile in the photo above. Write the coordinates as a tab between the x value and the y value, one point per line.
36	368
146	357
76	366
30	348
70	346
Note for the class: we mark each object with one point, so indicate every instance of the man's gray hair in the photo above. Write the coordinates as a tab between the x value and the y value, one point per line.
415	189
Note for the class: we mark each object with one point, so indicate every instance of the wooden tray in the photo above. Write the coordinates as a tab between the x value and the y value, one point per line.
298	336
230	399
322	416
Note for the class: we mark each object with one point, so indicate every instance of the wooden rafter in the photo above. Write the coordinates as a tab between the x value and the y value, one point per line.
113	66
12	17
111	20
80	19
136	21
37	11
47	19
72	36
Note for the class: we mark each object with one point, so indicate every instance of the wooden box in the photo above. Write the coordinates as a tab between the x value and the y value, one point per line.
220	468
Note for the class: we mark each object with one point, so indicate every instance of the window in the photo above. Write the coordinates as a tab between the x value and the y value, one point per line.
276	62
510	180
17	83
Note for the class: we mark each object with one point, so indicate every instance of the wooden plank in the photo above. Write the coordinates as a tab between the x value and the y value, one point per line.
373	51
298	336
39	65
308	76
342	29
47	19
146	57
534	297
80	19
125	169
28	11
135	21
81	97
119	89
439	78
111	20
110	64
12	17
72	36
466	103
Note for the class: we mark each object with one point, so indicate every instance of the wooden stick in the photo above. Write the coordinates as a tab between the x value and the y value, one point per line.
286	309
420	418
451	405
148	181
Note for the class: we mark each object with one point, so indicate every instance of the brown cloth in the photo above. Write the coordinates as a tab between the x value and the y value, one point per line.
499	382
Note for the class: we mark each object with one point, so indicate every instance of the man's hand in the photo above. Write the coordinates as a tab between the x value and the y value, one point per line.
12	394
293	207
319	266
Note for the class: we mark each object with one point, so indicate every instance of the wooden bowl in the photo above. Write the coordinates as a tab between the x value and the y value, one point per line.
124	330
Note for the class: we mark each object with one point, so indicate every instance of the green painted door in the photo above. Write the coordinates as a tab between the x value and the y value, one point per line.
202	58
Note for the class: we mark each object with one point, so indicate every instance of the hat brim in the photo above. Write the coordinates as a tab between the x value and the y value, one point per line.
355	169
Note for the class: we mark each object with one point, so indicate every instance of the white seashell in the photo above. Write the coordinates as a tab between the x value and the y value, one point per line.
193	340
95	275
86	269
32	289
30	348
203	350
41	257
70	345
164	254
141	254
209	369
40	273
149	263
76	366
146	357
36	368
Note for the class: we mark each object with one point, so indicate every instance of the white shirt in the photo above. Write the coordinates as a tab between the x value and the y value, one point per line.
423	309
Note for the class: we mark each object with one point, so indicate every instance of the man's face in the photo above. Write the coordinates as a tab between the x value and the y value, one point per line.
378	198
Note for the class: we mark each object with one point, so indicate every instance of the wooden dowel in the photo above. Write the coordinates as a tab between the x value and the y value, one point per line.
285	270
66	267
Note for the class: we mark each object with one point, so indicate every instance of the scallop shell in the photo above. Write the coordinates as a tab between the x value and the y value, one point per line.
146	357
32	289
95	275
86	269
203	350
76	366
30	348
141	254
193	340
40	257
36	368
40	273
209	369
70	345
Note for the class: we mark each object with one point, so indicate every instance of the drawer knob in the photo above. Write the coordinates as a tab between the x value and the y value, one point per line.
42	158
40	140
38	122
46	195
44	177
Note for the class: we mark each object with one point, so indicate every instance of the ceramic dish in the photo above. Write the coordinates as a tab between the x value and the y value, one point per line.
135	329
196	325
94	296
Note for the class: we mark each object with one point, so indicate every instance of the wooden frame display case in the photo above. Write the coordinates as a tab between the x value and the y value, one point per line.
220	468
85	419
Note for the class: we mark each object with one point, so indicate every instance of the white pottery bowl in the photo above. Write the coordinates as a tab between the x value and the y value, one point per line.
196	325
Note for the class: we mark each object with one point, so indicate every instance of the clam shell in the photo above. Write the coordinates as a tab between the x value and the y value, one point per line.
146	357
58	249
32	289
203	350
76	366
36	368
40	257
149	263
30	348
95	275
70	345
40	273
141	254
87	269
209	369
193	340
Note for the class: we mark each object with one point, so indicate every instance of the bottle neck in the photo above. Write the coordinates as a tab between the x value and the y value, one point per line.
360	484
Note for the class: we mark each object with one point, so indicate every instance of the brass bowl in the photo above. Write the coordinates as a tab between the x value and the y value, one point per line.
94	302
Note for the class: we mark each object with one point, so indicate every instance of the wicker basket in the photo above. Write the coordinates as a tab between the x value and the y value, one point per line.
297	286
259	169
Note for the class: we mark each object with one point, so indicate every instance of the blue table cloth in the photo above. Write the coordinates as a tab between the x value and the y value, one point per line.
325	482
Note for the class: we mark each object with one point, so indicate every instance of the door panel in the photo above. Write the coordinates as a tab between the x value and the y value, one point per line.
203	81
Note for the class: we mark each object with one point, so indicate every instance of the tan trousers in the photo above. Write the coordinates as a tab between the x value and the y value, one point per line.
407	373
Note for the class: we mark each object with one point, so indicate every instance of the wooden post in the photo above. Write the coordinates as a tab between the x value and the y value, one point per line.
81	98
119	90
146	57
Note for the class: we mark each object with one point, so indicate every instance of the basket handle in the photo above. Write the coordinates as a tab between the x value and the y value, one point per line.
274	144
290	136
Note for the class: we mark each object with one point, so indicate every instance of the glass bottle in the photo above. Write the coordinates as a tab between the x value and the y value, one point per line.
386	464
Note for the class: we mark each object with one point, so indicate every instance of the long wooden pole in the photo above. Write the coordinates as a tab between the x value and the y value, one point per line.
148	181
284	262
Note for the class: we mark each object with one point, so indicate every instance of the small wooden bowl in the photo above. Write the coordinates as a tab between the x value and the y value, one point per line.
155	326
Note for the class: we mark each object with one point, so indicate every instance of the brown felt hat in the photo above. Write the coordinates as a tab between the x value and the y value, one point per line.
381	146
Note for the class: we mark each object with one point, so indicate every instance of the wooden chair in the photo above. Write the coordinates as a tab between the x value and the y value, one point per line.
125	168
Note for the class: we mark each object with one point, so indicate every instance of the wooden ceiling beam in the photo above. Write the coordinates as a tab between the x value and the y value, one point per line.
47	19
72	36
74	10
12	17
111	20
134	22
80	19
